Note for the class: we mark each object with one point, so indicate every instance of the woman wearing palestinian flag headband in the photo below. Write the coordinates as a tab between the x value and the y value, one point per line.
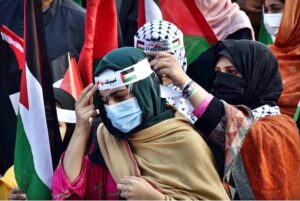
150	150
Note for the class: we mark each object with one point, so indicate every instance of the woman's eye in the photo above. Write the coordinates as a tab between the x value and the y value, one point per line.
233	72
276	10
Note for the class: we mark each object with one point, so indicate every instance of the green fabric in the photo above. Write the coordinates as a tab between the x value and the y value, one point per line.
79	2
26	176
297	113
147	91
264	36
194	46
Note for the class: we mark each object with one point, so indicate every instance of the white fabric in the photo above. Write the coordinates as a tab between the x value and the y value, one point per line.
152	11
110	79
265	110
35	127
272	23
67	116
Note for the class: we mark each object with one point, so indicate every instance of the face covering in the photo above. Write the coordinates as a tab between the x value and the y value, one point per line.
272	23
229	88
125	115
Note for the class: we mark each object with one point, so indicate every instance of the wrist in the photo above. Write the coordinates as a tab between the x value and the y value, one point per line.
181	83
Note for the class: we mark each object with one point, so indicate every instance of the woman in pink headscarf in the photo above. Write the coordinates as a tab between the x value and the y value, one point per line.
226	19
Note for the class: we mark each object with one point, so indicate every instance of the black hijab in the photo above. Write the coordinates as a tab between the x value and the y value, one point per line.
255	62
66	101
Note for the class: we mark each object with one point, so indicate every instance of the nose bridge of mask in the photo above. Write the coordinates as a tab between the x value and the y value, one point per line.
125	115
123	108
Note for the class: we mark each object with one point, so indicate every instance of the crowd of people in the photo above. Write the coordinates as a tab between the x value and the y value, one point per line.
153	127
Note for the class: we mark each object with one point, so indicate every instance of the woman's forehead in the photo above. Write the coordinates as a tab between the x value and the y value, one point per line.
107	92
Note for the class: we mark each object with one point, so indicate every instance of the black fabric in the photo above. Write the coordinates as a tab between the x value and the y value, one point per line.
65	101
128	15
210	118
146	91
202	69
95	155
11	16
255	62
258	66
240	34
228	87
64	28
206	124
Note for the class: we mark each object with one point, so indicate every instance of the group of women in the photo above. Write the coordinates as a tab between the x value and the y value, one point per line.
237	139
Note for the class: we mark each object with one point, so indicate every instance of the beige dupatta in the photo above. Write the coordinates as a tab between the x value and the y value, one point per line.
170	155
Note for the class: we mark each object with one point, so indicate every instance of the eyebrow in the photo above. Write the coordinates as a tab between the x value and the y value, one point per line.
112	91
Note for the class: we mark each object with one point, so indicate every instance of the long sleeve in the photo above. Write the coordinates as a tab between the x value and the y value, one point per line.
212	127
62	189
93	183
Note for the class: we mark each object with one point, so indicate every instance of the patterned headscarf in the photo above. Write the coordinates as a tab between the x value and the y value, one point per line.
160	35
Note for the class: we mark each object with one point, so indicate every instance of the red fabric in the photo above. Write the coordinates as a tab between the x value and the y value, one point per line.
141	14
271	157
19	54
189	20
94	183
71	82
287	50
101	35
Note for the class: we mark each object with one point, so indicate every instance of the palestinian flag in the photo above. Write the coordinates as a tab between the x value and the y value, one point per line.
33	161
71	82
198	35
128	75
101	36
16	45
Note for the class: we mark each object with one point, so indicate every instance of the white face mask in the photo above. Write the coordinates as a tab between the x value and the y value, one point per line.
272	23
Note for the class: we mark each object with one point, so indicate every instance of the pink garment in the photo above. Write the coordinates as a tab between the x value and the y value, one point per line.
93	183
201	108
224	17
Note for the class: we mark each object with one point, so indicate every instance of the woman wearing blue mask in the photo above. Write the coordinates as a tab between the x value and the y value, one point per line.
256	148
149	151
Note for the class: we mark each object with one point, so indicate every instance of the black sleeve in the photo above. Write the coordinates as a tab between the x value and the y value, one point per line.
210	118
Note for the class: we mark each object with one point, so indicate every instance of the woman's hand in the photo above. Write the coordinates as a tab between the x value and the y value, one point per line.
137	188
166	64
85	109
17	194
72	162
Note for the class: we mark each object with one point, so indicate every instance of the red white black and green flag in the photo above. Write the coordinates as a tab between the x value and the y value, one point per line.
33	159
198	35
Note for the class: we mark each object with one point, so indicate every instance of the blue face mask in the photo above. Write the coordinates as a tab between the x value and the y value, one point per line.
125	115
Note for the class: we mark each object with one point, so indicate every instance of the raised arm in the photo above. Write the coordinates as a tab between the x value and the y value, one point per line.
76	150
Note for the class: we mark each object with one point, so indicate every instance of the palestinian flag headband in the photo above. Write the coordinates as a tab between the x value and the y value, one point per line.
158	46
110	79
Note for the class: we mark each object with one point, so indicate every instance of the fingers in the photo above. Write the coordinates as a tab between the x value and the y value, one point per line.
17	194
86	95
162	64
84	91
158	55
